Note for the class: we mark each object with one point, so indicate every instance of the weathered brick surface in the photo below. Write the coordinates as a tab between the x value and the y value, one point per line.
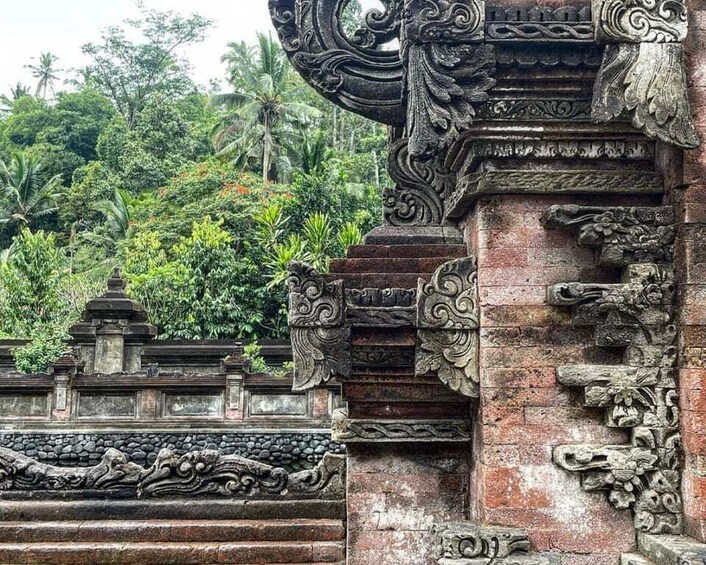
690	200
523	411
395	495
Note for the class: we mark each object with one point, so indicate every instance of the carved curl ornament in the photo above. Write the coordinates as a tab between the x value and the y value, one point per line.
447	326
197	473
319	332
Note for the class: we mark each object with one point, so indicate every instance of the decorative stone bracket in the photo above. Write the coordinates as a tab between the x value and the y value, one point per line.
319	332
447	326
643	72
196	473
639	395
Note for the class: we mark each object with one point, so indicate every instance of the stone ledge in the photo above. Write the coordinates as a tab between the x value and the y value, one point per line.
671	550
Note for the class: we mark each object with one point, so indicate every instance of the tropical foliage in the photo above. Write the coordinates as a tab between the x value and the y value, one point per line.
202	199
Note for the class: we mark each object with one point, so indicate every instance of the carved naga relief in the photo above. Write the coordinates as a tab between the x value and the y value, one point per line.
196	473
643	72
639	395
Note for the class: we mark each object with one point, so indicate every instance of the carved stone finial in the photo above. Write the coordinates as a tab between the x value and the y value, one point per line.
319	332
447	324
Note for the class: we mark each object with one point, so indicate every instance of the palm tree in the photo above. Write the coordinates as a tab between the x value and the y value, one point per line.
264	111
26	197
117	212
45	72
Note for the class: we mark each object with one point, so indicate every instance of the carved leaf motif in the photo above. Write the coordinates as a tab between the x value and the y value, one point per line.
453	356
440	104
647	80
319	354
313	301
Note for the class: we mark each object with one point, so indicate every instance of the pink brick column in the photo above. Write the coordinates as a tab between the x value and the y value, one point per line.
524	413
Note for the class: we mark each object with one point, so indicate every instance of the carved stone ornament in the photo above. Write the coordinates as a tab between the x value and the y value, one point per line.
639	395
319	333
422	186
350	71
624	235
643	72
347	430
201	473
447	326
380	307
468	543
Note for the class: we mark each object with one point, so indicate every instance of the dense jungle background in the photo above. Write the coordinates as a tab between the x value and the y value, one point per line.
200	196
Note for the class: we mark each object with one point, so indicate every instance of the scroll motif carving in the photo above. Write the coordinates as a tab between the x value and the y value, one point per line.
352	73
644	74
444	20
196	473
319	332
654	21
422	186
349	430
640	395
447	326
529	109
466	543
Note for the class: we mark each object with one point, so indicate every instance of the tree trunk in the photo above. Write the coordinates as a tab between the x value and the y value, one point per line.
266	149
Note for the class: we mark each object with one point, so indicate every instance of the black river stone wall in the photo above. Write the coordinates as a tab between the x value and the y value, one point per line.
291	450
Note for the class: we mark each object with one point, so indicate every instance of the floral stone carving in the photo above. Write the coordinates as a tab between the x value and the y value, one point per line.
639	395
197	473
447	326
319	333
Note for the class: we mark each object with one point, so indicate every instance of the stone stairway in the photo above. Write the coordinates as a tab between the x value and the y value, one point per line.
392	266
174	532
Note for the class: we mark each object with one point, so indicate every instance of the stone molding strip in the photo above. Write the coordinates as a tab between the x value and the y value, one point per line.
348	430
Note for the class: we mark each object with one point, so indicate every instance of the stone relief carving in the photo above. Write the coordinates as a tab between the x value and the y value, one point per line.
352	72
640	395
345	429
205	473
543	23
421	187
319	332
532	109
447	326
643	71
624	235
468	543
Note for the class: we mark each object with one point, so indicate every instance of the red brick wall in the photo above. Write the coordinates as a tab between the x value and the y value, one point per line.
523	411
396	493
691	205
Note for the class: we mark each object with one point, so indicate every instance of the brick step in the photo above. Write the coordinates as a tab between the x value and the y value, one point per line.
161	553
380	280
388	265
173	531
406	251
182	509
